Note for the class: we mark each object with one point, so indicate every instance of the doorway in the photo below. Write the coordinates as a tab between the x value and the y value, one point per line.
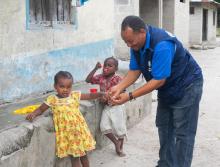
205	24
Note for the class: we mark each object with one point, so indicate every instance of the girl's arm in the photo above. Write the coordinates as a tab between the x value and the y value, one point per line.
43	107
90	96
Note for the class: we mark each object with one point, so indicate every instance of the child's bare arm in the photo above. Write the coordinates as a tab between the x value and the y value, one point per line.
91	74
43	107
90	96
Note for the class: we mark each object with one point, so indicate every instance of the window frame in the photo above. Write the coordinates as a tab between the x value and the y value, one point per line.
43	25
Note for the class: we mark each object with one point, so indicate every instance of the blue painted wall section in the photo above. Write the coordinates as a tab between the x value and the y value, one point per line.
34	73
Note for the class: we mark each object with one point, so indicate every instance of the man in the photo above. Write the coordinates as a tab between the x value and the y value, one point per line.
170	69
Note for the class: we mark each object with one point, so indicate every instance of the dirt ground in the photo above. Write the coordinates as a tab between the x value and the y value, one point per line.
142	144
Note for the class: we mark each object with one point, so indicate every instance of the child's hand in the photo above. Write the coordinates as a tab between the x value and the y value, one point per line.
104	99
98	65
31	116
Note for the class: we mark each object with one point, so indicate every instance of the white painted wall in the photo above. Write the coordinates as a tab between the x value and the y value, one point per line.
168	15
195	30
181	21
149	11
95	22
34	56
196	22
211	27
123	8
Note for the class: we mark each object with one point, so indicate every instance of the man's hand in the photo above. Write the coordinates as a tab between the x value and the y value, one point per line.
120	99
114	92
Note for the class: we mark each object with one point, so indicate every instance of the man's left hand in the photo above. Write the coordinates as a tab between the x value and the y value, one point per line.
121	99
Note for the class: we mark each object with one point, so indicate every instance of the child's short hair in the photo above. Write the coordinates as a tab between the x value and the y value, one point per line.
62	74
114	59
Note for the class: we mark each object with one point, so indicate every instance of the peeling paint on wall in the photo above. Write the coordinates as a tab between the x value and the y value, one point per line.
29	74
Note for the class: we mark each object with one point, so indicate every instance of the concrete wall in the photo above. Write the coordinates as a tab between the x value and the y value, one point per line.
181	21
211	27
175	17
196	22
168	15
149	12
30	58
33	144
195	30
123	8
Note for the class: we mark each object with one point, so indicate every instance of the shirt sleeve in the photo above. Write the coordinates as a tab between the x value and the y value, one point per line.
76	95
115	80
162	60
50	100
96	79
133	62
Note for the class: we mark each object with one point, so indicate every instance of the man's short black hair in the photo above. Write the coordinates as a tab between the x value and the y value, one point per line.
134	22
62	74
114	59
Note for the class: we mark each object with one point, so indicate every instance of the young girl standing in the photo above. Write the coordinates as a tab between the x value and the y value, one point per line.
73	137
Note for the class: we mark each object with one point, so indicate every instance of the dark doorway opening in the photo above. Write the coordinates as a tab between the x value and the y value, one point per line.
205	24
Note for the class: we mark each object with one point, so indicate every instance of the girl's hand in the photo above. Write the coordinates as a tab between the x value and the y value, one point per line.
104	98
98	65
31	116
43	107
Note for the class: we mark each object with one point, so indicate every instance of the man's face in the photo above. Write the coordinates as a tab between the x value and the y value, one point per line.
134	40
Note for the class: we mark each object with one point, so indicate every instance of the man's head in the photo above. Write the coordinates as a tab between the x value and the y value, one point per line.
133	32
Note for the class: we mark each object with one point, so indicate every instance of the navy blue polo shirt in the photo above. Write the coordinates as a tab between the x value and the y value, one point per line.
161	61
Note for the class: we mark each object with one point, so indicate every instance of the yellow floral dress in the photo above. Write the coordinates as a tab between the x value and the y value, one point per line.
72	133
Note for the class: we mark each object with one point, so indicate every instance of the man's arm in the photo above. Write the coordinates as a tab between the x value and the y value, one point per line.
148	87
143	90
129	79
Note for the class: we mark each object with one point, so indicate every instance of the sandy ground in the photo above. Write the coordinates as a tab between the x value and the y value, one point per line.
142	145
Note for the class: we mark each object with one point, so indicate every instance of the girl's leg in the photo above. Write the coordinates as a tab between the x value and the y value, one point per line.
75	161
84	161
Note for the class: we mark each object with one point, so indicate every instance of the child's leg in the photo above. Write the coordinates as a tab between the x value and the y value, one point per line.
106	127
118	118
121	140
75	161
84	161
115	141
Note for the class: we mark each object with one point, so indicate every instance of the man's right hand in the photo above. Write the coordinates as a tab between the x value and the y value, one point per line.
114	92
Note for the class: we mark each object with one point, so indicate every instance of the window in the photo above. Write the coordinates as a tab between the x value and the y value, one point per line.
50	14
214	14
183	1
192	10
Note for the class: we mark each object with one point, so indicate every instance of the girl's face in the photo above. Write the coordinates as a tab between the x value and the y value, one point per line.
63	87
109	67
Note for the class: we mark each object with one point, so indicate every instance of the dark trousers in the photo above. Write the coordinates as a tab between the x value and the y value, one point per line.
177	124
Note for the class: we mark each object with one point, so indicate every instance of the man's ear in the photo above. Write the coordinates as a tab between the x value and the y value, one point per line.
142	30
